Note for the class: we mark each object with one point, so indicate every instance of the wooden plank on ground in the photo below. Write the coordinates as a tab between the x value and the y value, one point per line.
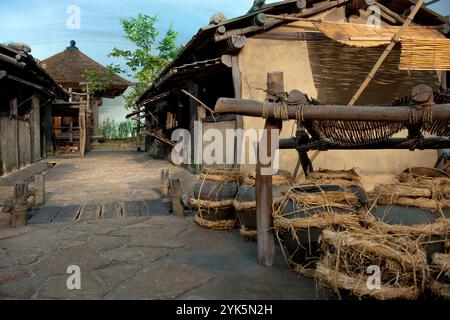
90	212
156	207
67	214
143	209
6	193
45	215
111	211
130	209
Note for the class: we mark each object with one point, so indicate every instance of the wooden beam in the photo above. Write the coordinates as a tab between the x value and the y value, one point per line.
272	23
253	108
389	144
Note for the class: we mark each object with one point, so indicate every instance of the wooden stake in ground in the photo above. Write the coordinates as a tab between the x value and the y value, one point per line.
177	201
19	214
39	192
165	183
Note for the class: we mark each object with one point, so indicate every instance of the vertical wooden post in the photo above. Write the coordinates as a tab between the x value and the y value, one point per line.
264	195
82	124
15	117
165	183
177	201
138	133
19	215
39	185
35	124
71	132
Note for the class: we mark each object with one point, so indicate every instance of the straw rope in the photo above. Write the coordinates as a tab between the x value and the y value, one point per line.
358	286
247	233
215	225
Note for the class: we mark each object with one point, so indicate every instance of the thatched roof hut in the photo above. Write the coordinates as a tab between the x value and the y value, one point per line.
69	66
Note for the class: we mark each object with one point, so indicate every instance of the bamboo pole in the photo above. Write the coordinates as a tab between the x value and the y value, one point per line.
385	54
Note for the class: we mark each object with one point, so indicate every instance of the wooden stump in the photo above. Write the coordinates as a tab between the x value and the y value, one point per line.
165	183
177	201
19	214
39	193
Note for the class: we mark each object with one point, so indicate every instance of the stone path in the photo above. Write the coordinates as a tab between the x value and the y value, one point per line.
146	257
140	258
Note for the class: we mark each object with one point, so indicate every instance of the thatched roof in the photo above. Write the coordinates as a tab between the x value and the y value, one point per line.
68	67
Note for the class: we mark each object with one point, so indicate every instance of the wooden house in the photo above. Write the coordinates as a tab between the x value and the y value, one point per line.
27	94
76	123
325	48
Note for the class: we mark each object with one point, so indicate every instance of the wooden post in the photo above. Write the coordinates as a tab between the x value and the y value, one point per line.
177	200
15	117
39	186
165	183
138	133
19	215
264	196
82	125
71	132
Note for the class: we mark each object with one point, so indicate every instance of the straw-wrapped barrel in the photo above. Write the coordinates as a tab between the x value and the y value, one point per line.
440	278
303	215
245	202
367	264
418	205
214	196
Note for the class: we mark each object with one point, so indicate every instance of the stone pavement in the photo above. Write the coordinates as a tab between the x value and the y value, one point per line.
140	258
153	257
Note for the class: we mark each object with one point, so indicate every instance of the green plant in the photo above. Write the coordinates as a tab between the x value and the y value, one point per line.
111	129
152	54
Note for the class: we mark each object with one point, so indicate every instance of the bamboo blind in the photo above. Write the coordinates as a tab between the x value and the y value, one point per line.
423	47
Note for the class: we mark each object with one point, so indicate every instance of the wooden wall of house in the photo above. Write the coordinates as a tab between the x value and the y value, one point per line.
20	143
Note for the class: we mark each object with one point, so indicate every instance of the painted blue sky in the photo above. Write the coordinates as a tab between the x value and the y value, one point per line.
42	23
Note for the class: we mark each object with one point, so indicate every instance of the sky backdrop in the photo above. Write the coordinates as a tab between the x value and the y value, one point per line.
42	24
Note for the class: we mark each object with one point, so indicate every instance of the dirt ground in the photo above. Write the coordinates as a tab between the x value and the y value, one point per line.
157	257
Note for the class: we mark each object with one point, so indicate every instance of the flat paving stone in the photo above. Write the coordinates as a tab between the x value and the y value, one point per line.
90	212
131	209
111	211
155	282
86	258
67	214
44	215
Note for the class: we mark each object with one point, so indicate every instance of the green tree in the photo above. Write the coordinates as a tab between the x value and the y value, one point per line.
152	54
98	82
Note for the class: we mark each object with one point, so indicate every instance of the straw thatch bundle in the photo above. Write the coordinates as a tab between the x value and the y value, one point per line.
418	187
349	254
245	201
346	178
440	281
302	216
213	197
